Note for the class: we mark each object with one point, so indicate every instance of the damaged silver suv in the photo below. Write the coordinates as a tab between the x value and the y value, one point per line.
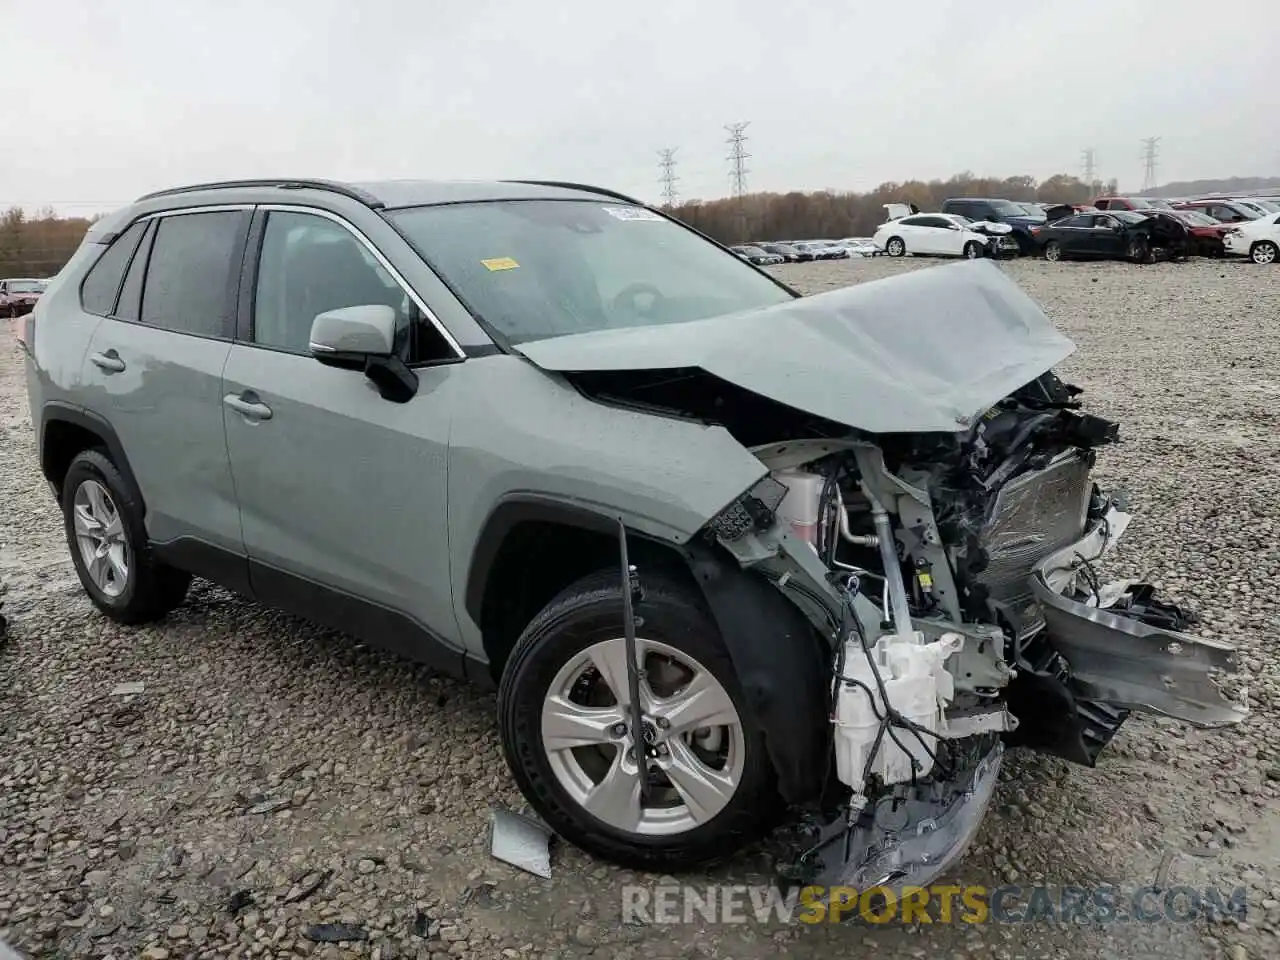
723	550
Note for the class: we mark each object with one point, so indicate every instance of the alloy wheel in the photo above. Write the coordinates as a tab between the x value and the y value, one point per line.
691	738
1264	252
1053	253
896	247
101	538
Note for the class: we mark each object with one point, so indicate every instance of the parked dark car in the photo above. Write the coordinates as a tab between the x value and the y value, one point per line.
756	255
1115	235
788	253
1206	233
19	295
998	211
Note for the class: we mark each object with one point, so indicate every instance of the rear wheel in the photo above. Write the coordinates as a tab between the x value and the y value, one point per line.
1052	251
895	247
564	710
1264	251
104	526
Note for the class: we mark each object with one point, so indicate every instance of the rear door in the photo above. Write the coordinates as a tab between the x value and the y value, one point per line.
154	369
342	493
1072	235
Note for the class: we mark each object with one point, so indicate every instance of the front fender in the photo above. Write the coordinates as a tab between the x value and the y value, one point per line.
780	663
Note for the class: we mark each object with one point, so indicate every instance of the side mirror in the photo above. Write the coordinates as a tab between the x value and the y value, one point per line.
351	332
363	338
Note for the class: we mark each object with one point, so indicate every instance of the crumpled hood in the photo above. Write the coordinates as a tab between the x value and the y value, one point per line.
926	351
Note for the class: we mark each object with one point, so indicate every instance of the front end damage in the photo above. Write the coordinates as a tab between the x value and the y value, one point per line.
929	516
956	580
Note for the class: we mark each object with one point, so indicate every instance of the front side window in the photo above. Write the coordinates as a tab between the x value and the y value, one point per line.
533	269
188	282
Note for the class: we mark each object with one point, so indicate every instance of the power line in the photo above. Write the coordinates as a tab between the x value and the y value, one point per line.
738	156
667	163
1150	153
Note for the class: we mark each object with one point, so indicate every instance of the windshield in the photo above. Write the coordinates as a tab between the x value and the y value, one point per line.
1138	203
27	286
1007	208
533	269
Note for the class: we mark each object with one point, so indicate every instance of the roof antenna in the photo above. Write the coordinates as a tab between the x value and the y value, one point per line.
630	593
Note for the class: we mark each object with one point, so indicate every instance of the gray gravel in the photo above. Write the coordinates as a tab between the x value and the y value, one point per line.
272	779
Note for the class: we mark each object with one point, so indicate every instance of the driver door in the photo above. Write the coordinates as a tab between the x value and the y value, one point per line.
342	493
1106	237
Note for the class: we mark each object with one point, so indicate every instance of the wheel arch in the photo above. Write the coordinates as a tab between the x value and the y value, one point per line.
66	430
530	548
778	657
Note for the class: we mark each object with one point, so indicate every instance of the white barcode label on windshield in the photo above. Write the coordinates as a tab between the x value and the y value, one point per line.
631	213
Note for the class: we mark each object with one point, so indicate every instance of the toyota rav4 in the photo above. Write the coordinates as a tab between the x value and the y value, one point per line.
724	551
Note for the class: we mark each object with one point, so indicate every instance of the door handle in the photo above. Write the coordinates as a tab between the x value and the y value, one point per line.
248	405
109	361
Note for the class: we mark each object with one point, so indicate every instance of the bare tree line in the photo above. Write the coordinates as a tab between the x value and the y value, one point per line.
831	215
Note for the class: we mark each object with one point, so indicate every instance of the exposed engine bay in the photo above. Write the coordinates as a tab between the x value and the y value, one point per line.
968	561
955	575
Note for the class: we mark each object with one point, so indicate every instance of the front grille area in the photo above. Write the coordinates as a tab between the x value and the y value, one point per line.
1034	514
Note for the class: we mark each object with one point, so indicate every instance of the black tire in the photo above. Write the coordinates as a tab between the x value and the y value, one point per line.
585	613
152	589
1139	251
896	247
1053	251
973	250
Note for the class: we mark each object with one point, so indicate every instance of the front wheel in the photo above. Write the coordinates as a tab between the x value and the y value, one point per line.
895	247
972	250
1052	251
565	717
1264	251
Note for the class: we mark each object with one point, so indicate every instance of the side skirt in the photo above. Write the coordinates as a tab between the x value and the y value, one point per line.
380	626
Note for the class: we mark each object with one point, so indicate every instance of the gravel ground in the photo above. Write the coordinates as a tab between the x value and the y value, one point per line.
272	776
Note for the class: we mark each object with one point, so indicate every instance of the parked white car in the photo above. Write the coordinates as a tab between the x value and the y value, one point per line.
1259	240
939	235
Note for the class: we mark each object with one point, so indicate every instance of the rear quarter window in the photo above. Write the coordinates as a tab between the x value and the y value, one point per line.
102	283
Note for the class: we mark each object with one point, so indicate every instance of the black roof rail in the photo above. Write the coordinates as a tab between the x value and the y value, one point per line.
586	188
332	186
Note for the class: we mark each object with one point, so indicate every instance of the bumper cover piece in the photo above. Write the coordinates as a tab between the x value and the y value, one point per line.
1122	660
904	842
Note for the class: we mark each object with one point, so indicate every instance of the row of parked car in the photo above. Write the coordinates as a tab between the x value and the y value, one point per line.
801	251
1135	228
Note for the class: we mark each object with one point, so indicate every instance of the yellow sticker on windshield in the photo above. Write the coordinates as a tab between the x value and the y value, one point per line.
500	263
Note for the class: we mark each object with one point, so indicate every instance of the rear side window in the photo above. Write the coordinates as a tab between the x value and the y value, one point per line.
189	273
102	283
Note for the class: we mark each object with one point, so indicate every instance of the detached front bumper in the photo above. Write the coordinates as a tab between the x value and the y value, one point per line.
1119	651
904	840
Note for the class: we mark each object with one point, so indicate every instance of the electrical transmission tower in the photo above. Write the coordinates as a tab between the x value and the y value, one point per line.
738	157
1150	152
1090	169
667	163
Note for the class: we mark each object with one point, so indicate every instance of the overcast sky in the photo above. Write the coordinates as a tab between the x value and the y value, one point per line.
105	101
